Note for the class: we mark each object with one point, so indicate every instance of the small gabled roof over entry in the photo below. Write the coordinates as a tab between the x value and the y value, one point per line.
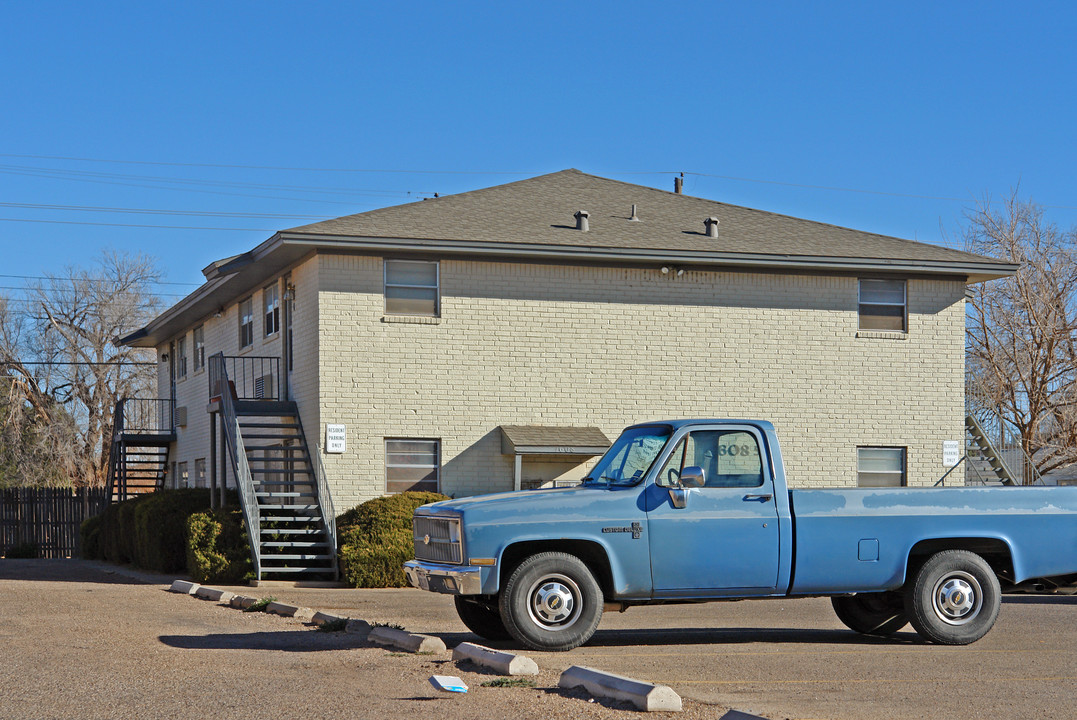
549	440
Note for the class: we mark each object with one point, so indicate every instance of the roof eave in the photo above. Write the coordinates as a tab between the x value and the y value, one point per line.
974	271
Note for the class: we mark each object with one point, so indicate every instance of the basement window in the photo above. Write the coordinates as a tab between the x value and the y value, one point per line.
412	465
880	467
412	288
882	305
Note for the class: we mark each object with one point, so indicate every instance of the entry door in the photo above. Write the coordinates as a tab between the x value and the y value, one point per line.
726	536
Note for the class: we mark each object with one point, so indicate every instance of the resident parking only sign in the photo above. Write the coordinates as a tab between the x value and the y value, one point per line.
951	452
335	438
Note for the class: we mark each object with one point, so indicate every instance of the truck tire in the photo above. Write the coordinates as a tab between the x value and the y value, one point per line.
872	613
551	602
481	618
954	598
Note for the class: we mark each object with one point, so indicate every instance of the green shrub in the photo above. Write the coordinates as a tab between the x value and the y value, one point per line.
375	539
22	551
160	528
90	537
217	547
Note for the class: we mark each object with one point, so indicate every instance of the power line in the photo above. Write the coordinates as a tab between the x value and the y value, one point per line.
148	211
71	277
81	363
135	225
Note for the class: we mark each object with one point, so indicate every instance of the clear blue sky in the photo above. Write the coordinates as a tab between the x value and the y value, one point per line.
927	105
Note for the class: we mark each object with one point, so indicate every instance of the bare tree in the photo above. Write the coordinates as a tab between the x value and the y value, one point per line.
1021	354
64	373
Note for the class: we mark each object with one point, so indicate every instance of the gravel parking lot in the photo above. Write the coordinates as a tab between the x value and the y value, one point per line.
82	641
794	659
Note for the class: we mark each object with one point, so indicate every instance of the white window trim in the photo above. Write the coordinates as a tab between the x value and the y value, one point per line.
436	287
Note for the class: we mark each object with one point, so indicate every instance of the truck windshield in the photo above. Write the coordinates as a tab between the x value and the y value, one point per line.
628	460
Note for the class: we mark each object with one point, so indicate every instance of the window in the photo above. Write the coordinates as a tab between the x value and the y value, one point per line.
184	477
730	459
271	302
881	305
412	465
246	323
411	287
181	356
880	467
199	341
200	473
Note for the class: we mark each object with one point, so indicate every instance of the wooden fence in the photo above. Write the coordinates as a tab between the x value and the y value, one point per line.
47	518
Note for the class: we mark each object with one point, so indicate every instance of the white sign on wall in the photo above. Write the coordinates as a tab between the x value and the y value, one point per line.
335	438
951	452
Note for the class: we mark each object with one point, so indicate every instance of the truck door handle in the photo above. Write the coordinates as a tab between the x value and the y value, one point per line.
760	498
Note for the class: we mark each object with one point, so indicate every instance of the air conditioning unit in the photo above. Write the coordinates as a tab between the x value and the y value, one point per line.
181	416
264	388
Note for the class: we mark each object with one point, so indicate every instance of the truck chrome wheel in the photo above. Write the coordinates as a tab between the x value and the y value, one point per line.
552	602
957	598
954	598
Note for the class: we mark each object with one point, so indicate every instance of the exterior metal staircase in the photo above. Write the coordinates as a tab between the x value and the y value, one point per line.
984	457
138	456
286	504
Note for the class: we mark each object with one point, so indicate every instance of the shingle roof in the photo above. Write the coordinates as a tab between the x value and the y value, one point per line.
539	211
548	439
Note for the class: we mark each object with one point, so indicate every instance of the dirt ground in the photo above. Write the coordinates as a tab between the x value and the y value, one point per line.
81	642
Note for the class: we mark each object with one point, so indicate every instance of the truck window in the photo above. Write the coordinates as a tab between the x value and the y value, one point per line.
729	459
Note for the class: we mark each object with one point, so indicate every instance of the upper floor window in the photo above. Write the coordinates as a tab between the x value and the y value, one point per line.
411	287
880	467
882	305
271	303
246	323
199	341
181	356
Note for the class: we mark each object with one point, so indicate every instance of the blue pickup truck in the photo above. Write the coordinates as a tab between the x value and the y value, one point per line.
698	510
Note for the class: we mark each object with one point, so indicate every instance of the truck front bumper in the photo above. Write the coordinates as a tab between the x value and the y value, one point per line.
450	579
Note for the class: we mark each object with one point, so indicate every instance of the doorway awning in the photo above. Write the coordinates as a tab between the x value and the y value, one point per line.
570	443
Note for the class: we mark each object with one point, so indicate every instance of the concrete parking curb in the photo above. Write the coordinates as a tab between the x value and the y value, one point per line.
645	696
404	640
321	618
184	587
292	611
242	601
500	662
220	596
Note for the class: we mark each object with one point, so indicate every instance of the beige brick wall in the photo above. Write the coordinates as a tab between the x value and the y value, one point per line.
554	345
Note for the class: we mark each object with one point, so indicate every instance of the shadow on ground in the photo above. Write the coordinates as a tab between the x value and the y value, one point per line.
304	640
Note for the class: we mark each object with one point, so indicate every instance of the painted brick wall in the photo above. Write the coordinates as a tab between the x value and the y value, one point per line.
553	345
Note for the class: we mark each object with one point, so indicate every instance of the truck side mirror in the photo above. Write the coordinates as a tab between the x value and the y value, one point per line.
693	476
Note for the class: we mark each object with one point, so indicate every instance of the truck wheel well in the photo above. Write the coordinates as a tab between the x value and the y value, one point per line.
994	551
591	553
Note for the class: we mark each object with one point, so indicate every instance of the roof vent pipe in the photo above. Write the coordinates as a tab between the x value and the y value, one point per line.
633	218
678	184
712	227
581	220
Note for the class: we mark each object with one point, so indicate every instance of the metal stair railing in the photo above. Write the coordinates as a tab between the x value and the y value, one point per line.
325	504
238	454
989	451
988	417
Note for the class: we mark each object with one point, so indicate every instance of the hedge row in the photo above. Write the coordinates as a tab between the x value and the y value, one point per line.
375	539
154	532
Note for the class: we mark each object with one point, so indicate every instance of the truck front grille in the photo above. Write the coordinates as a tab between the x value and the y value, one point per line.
437	539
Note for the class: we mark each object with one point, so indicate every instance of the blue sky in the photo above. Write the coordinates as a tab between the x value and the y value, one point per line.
918	107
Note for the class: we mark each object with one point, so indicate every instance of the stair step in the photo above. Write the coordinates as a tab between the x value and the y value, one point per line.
290	531
285	483
293	518
294	544
315	556
287	426
319	570
280	471
266	436
301	507
281	495
285	460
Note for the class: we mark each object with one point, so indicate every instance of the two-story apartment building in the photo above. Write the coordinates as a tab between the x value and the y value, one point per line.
497	339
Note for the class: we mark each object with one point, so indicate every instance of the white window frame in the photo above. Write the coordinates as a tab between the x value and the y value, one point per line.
902	475
436	287
200	473
183	479
436	466
246	329
181	357
198	347
270	310
904	304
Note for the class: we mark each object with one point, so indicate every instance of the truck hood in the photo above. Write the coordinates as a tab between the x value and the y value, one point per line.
585	503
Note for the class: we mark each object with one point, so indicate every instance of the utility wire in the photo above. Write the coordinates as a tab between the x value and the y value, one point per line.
93	364
148	211
70	277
